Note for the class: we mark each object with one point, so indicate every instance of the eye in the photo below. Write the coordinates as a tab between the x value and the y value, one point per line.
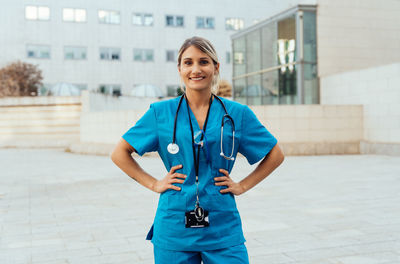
187	62
204	62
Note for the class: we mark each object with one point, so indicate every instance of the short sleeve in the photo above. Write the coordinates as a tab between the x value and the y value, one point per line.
143	136
255	141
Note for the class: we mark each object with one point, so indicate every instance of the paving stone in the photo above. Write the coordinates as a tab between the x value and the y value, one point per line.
78	209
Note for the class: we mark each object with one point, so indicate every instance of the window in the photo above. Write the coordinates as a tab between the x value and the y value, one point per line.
109	17
74	15
74	53
110	54
38	51
172	55
37	12
140	19
173	90
205	22
81	86
143	55
174	21
112	89
234	23
228	57
238	57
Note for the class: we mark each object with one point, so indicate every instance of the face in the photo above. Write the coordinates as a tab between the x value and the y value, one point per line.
197	69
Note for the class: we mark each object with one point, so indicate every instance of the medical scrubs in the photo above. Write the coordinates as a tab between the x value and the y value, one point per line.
154	131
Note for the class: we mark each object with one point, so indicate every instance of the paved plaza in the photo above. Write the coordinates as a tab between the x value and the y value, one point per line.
58	207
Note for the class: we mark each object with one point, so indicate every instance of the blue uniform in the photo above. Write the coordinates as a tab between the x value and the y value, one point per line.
154	131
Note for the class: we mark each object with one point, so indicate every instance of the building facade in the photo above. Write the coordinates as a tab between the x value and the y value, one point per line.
275	62
283	59
113	46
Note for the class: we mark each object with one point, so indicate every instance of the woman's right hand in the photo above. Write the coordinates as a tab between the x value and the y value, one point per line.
161	186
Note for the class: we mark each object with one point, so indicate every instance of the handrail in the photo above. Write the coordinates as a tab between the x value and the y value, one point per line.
269	69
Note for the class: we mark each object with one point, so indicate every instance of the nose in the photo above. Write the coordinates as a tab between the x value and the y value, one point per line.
196	68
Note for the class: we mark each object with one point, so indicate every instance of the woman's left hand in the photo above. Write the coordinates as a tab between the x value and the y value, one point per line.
233	187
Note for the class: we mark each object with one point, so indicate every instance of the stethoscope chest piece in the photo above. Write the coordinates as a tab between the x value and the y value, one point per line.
173	148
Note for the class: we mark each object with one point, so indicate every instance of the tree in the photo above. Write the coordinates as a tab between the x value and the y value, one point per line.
225	89
20	79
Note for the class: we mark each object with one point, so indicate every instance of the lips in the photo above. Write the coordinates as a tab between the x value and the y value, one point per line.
197	78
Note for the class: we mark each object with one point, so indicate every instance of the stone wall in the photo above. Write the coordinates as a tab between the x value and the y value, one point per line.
377	89
39	121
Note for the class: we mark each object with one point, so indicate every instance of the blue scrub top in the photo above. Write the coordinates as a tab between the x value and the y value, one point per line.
154	131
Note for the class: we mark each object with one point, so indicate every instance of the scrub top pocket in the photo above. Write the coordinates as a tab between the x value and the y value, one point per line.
176	202
220	202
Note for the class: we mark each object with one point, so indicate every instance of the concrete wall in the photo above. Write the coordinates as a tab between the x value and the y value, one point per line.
378	90
355	35
300	129
92	102
39	121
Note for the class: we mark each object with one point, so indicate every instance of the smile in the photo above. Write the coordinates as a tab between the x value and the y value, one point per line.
197	78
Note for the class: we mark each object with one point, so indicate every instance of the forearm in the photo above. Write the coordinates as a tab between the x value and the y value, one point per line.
266	167
124	160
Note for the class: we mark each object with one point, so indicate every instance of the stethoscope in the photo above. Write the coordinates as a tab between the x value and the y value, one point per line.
173	148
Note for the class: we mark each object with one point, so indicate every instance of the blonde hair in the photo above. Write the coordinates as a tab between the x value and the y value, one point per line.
205	46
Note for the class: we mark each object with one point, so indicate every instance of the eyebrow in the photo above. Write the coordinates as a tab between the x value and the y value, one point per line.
202	58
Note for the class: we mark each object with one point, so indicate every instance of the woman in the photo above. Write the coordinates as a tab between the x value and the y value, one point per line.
197	219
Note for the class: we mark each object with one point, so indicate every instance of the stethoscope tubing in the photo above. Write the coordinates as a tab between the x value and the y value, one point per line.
222	128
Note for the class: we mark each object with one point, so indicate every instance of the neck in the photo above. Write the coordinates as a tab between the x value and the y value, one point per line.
198	99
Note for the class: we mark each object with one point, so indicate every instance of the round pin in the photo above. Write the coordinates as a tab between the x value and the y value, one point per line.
173	148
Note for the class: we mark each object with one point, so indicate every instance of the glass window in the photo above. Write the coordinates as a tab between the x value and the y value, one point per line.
173	90
148	19
43	13
74	53
109	17
311	91
37	12
38	51
228	57
174	21
286	58
179	21
80	15
31	12
68	14
74	15
143	55
239	57
169	21
273	48
205	22
141	19
110	89
110	53
81	86
172	55
149	55
137	19
234	23
137	55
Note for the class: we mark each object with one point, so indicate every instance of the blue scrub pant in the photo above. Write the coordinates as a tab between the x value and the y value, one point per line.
232	255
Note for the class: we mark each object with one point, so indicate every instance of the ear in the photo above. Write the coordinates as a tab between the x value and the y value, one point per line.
217	68
179	68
